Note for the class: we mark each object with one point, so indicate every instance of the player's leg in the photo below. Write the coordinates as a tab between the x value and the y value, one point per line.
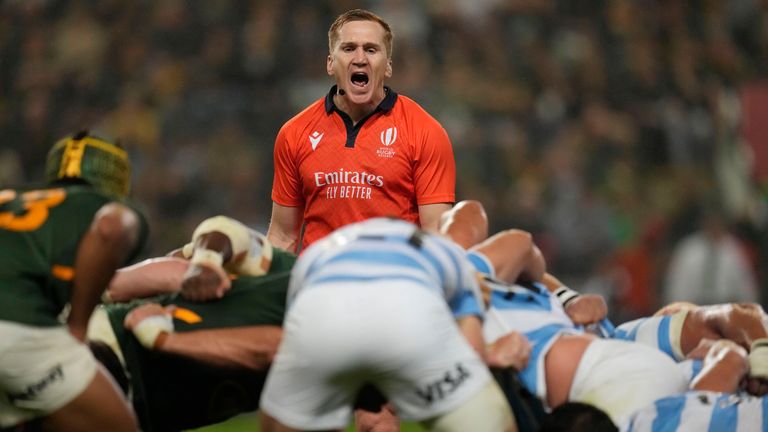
433	357
100	407
383	420
487	410
309	386
46	372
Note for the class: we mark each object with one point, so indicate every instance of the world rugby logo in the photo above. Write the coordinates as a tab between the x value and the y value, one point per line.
389	136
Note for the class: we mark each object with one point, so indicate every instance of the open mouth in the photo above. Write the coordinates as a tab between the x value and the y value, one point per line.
360	79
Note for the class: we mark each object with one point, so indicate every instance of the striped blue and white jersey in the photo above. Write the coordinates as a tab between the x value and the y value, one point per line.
660	332
383	250
701	411
535	313
690	368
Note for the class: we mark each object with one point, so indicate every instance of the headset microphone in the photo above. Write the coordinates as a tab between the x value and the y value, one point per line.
342	92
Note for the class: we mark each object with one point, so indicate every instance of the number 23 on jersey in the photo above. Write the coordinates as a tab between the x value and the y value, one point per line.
29	210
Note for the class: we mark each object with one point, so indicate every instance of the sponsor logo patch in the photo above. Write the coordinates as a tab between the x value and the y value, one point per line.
315	138
388	136
439	389
33	390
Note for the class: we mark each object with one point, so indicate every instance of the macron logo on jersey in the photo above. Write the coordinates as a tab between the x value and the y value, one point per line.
315	138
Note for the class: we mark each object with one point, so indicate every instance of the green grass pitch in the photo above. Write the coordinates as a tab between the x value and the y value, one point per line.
250	423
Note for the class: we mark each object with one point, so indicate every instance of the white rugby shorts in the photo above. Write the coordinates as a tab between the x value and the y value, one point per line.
41	370
100	329
621	377
397	336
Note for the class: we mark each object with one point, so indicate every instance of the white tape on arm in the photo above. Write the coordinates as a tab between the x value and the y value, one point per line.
566	295
207	257
251	251
148	329
758	358
238	234
259	257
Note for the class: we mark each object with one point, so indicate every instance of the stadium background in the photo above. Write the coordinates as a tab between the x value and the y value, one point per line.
602	126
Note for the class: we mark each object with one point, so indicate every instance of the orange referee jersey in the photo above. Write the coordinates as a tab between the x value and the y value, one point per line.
392	161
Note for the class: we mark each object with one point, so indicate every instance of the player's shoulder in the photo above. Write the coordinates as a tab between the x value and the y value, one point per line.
306	116
84	196
409	107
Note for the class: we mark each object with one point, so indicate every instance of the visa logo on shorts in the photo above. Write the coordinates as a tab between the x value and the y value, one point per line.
32	390
438	390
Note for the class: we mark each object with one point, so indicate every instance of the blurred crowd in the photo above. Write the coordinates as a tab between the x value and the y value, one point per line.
607	128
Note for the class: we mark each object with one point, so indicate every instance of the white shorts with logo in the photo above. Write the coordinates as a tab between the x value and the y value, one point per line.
398	337
41	370
621	377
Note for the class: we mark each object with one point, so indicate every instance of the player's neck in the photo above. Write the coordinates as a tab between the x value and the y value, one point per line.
357	111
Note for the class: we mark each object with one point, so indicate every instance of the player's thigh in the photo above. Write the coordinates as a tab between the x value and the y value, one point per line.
431	369
99	407
486	411
41	370
311	384
337	338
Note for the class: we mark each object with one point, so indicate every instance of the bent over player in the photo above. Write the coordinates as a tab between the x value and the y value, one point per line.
188	364
61	244
374	304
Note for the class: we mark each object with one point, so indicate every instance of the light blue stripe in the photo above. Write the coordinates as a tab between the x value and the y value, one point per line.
764	404
607	329
454	254
665	344
377	257
696	366
366	278
623	334
320	259
522	301
669	413
539	339
465	303
480	263
725	415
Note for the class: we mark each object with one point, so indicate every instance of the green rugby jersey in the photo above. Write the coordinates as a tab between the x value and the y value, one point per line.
40	230
175	393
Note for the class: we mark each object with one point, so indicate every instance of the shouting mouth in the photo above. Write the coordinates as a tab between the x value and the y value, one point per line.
359	79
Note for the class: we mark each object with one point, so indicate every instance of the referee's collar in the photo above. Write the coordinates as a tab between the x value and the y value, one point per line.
385	105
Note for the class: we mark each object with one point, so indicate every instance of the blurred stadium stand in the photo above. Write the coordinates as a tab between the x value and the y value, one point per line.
601	126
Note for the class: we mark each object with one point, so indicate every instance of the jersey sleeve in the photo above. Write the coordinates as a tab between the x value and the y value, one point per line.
286	183
467	299
660	332
435	167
